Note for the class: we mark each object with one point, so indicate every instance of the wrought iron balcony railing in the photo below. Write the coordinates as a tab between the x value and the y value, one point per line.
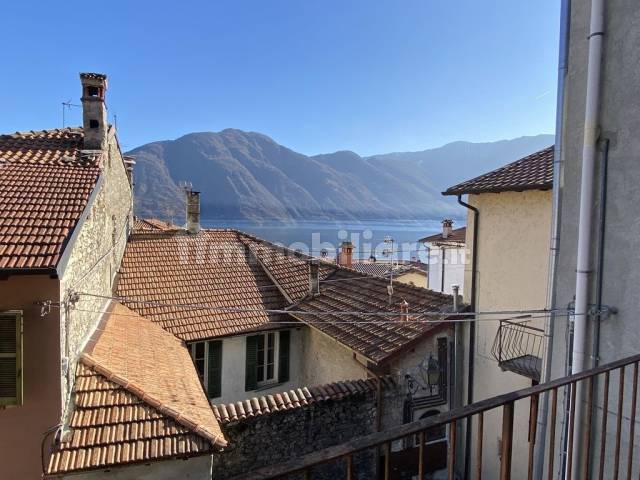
519	348
605	449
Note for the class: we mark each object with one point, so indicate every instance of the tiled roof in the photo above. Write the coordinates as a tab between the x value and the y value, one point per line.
137	398
373	268
194	277
211	269
44	187
457	235
141	225
296	399
533	172
377	338
344	289
289	269
382	269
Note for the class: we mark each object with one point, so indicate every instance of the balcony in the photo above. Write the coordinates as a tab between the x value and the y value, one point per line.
519	348
602	447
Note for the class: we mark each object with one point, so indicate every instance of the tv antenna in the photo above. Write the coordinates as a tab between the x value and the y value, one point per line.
67	106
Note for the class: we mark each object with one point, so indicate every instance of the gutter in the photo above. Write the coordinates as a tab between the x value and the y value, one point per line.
554	247
472	330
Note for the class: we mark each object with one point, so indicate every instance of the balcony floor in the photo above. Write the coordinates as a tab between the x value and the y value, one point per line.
528	366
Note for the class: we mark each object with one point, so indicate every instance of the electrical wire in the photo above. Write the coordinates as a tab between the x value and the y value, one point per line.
413	320
382	313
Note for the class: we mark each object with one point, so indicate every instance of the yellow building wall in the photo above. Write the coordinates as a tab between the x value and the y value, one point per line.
513	241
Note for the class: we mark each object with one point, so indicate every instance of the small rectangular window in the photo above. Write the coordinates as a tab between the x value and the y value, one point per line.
264	358
199	359
11	358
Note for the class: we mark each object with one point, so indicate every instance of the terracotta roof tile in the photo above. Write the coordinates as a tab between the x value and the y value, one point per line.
209	269
141	399
296	399
44	187
533	172
457	235
343	289
142	225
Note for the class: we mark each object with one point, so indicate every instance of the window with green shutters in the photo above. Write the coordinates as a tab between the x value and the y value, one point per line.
207	357
267	359
11	358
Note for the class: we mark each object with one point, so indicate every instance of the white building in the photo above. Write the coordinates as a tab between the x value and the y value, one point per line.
447	254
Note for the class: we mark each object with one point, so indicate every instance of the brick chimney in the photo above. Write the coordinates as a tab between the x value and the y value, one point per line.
345	256
447	226
193	211
94	110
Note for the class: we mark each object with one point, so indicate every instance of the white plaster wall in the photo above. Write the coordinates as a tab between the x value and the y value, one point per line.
196	468
326	361
512	275
234	368
455	259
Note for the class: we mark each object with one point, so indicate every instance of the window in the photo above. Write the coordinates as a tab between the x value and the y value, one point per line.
11	358
267	359
207	357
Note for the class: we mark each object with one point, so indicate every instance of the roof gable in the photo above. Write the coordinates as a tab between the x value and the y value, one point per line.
533	172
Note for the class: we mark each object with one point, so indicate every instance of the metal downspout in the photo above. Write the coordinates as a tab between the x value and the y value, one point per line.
472	330
583	267
602	214
554	245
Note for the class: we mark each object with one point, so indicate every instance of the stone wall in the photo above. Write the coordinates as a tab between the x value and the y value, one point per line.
278	437
95	258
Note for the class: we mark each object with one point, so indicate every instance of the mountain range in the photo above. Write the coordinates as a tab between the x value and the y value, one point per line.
247	175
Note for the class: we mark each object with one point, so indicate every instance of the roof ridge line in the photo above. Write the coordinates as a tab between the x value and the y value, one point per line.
91	362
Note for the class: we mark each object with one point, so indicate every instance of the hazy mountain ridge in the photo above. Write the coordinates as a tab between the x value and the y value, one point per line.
246	175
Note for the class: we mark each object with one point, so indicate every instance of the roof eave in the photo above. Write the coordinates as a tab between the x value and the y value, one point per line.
497	190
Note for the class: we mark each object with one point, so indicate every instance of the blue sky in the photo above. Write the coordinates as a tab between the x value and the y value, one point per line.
318	76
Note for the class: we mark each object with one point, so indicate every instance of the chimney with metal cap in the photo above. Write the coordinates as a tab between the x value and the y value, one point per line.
345	256
447	227
314	277
193	211
94	110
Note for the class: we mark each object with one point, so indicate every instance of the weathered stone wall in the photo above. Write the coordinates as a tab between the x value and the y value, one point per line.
95	258
282	436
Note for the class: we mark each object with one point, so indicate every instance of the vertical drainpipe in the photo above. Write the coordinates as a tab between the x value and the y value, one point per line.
472	330
583	267
554	246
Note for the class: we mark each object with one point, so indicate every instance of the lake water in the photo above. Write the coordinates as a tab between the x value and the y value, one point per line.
368	237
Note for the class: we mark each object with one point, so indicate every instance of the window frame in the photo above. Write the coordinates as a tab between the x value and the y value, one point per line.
265	354
205	376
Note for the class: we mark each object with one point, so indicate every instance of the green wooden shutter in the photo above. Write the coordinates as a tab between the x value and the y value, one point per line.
251	380
283	360
11	358
214	370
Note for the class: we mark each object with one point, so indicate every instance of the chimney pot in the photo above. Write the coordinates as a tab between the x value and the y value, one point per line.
193	211
94	110
345	256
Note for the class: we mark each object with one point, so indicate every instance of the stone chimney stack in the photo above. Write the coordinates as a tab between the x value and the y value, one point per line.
447	226
314	277
345	256
193	211
94	110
